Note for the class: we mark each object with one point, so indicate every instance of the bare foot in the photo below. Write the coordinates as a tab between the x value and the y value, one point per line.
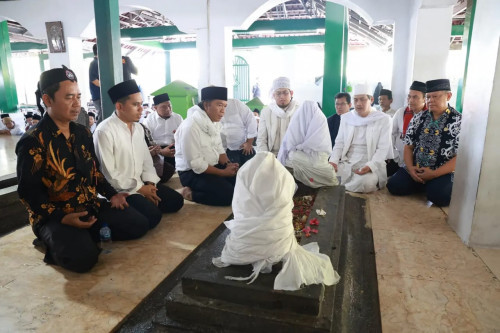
187	193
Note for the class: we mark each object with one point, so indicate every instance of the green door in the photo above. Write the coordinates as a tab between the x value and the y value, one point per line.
241	76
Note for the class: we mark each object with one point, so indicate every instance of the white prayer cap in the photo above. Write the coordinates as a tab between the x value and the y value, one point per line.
362	89
280	83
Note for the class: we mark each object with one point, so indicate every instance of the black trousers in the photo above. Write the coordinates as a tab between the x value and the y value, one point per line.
391	167
236	156
209	189
438	190
168	168
76	249
171	202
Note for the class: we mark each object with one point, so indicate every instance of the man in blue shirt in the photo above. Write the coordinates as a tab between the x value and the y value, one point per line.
95	84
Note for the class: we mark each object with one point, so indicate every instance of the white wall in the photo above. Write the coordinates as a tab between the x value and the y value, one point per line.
301	63
474	208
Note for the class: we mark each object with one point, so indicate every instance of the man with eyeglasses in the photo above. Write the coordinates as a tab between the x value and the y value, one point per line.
362	145
275	118
163	123
342	106
431	146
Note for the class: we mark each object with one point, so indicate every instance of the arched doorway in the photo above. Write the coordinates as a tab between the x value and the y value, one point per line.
241	79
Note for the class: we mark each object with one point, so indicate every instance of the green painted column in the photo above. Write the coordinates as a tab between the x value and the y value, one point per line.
335	54
41	61
8	92
107	24
168	71
469	24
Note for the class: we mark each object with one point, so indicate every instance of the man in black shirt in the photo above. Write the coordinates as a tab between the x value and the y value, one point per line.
59	180
342	106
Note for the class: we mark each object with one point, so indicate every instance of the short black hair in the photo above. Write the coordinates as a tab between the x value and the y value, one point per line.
343	94
94	49
123	100
51	90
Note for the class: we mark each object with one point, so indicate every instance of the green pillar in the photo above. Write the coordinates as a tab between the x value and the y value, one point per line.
469	24
8	92
41	61
168	73
335	54
107	24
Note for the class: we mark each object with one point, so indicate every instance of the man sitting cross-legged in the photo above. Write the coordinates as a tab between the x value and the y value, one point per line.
125	158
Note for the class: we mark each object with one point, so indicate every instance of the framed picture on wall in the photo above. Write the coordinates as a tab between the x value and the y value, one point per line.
55	37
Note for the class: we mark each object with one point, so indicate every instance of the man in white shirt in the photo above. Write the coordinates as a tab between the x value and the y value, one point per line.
239	130
275	118
9	127
385	101
125	159
401	121
201	162
362	145
163	123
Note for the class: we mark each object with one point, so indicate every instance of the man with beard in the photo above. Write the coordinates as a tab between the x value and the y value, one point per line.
275	118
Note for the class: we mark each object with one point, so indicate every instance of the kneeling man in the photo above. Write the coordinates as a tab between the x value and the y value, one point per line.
125	159
431	145
59	180
201	162
362	145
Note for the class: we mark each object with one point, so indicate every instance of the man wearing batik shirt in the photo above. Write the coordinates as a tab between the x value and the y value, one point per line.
59	180
431	145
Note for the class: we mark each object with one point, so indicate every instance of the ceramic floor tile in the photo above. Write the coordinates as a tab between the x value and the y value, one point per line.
491	257
430	257
413	305
429	281
38	297
401	213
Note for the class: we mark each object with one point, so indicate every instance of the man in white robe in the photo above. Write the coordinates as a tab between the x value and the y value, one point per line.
163	123
262	232
307	146
239	130
363	145
275	118
125	159
204	169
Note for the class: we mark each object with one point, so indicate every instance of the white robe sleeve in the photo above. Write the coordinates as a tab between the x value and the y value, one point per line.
250	123
191	143
383	150
262	136
339	145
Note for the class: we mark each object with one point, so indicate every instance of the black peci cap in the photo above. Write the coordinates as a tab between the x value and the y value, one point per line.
418	86
211	93
123	89
161	98
56	75
386	92
437	85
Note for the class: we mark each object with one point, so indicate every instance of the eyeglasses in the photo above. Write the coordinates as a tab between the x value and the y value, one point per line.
340	104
